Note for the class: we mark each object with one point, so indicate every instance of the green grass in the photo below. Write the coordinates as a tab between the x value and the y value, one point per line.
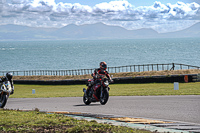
155	89
34	121
25	91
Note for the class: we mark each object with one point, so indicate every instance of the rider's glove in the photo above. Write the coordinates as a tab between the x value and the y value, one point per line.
111	81
2	79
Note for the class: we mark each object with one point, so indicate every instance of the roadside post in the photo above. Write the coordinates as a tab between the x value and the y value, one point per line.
33	91
176	86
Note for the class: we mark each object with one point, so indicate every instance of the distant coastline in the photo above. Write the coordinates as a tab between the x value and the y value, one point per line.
98	31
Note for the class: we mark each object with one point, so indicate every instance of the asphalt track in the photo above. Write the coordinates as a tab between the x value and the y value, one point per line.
173	108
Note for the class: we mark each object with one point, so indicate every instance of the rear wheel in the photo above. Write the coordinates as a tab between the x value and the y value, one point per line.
3	100
105	97
86	100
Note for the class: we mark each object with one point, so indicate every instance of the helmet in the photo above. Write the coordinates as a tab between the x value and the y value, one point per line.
103	65
9	75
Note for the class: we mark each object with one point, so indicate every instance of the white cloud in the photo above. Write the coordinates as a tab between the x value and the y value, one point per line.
46	13
113	6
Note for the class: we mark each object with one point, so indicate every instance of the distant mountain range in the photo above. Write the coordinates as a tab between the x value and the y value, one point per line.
90	31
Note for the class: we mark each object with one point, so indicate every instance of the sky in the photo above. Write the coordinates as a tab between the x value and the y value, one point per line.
133	2
159	15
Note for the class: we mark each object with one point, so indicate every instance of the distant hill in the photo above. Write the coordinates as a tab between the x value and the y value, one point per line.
89	31
17	32
101	31
193	31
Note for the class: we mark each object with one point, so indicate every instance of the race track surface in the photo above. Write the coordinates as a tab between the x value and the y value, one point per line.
175	108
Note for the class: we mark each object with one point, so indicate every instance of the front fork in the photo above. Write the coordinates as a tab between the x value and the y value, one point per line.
102	91
101	96
2	93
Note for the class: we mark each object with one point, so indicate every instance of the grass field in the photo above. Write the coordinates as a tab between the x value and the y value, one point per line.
25	91
33	121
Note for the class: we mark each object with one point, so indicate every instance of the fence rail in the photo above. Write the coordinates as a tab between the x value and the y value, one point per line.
129	68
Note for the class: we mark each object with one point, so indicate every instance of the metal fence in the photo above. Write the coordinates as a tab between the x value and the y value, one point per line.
129	68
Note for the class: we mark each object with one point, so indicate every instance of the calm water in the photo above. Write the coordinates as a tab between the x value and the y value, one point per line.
56	55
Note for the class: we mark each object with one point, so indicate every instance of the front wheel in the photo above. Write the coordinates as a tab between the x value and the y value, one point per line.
104	98
3	100
86	100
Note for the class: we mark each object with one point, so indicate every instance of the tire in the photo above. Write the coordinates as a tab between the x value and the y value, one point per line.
104	100
86	100
3	100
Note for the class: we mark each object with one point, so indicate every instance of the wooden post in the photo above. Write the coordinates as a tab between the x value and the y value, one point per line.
143	68
157	68
134	68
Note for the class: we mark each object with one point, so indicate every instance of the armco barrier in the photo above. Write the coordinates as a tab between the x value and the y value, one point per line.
155	79
123	80
51	82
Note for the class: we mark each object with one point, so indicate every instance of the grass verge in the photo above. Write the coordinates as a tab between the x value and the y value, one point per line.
35	121
121	74
25	91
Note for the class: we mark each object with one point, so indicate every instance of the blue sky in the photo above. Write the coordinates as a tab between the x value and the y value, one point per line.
161	15
134	2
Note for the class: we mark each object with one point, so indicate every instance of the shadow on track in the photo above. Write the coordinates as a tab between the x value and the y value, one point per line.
87	105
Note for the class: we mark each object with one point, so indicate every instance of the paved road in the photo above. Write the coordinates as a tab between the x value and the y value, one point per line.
176	108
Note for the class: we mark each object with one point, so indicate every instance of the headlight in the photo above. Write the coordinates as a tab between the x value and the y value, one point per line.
106	83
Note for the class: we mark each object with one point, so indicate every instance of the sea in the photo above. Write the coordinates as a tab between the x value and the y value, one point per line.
87	54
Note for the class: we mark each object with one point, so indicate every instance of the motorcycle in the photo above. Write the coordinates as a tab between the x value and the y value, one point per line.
5	90
98	93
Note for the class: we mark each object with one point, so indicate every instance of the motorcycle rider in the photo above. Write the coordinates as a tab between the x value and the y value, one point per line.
8	77
99	72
